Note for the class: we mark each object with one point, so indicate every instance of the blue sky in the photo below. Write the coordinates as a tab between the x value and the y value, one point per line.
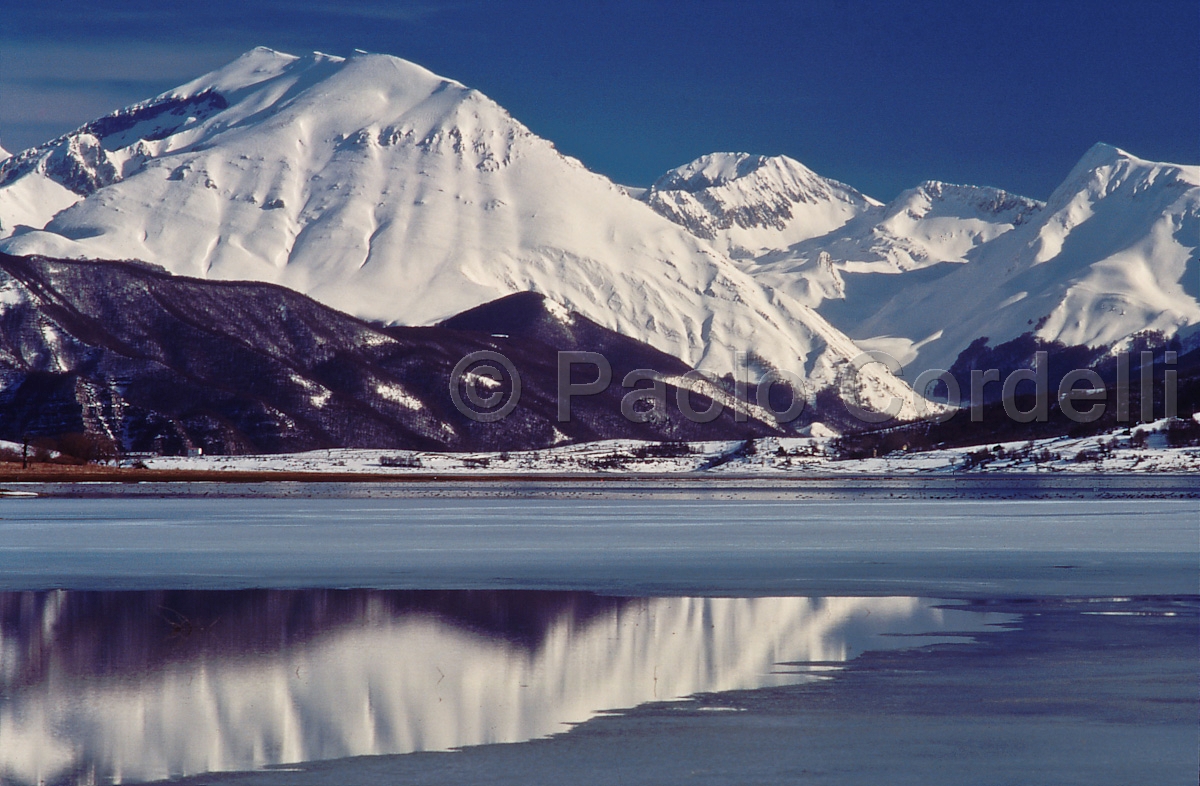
880	95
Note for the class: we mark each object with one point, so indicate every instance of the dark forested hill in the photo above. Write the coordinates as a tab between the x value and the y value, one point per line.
142	360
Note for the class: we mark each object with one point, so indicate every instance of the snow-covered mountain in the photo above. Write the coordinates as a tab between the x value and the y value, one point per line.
396	195
750	204
1113	253
924	226
388	192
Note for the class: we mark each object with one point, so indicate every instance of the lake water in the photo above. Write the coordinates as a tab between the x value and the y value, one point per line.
152	636
147	685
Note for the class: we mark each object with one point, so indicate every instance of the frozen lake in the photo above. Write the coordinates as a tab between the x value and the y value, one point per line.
655	544
837	633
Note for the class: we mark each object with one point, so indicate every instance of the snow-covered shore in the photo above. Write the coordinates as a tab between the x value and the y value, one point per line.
1116	451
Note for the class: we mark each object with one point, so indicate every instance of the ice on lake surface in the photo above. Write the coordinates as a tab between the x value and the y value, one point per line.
149	635
674	544
136	686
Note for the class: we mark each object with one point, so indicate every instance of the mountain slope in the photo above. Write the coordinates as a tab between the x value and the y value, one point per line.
393	194
147	361
1112	254
749	204
931	224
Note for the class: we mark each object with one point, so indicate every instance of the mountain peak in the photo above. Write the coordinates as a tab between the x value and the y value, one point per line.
255	69
1102	153
936	198
1104	169
250	68
708	171
750	202
397	195
1100	156
266	51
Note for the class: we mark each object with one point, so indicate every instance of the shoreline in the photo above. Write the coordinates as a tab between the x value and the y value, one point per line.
586	490
52	473
798	460
997	485
592	490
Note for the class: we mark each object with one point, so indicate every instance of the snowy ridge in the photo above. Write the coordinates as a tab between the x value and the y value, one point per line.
1112	253
393	194
747	204
924	226
940	222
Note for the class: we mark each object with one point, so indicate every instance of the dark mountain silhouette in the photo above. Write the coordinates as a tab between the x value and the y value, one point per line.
145	361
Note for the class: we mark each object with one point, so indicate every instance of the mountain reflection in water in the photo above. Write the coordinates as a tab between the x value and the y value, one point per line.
103	686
